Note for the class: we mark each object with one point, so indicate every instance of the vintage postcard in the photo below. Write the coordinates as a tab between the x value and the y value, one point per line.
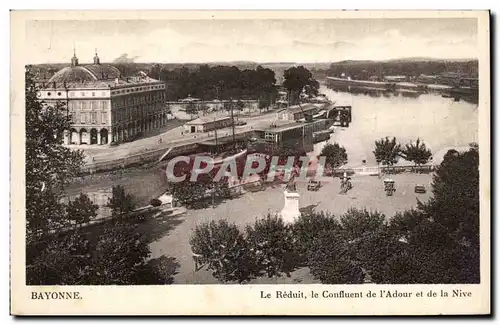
250	162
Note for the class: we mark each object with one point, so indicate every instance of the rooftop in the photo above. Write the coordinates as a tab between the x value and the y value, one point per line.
283	127
100	84
207	119
302	107
94	75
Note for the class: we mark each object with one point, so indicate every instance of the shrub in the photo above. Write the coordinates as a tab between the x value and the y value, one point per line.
155	202
307	227
271	245
223	248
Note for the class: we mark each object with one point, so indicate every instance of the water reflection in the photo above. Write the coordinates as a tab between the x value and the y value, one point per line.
377	92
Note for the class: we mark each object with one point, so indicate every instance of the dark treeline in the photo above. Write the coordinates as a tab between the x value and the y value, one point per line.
366	69
217	82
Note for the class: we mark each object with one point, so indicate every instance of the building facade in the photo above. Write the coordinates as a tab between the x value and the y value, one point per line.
103	105
297	112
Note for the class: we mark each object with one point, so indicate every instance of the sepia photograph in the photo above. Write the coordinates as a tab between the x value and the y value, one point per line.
295	152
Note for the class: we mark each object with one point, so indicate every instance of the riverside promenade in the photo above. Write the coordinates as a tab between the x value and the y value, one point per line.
148	149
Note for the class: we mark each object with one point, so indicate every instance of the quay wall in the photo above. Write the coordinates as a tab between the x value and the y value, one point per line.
333	81
152	156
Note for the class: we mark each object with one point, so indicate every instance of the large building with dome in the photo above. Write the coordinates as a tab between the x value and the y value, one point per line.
104	105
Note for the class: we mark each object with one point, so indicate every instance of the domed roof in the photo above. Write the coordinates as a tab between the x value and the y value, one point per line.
93	72
104	71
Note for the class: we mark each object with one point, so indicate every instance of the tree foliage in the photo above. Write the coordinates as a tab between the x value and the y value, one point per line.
455	202
120	201
307	227
296	79
49	165
330	260
223	247
335	155
356	223
81	210
218	82
387	151
116	256
416	152
205	187
271	246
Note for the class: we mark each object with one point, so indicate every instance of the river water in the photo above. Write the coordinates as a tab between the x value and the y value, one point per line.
440	122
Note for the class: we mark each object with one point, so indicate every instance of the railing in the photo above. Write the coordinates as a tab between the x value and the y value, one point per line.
377	170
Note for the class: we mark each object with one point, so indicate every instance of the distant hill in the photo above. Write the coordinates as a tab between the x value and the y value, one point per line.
410	65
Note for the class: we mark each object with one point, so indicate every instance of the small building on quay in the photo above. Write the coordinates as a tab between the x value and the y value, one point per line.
103	105
296	134
297	112
207	124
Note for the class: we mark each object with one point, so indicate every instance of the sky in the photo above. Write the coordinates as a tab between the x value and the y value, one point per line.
293	40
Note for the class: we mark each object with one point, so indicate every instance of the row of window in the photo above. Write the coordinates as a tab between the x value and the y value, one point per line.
137	99
131	90
84	93
88	105
132	113
89	117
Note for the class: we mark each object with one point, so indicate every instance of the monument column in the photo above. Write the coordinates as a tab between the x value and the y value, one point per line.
290	211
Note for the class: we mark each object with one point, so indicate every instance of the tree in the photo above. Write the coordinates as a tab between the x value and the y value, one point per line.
384	258
49	165
120	202
416	152
224	249
330	260
387	151
156	71
58	260
117	256
120	255
307	227
296	78
271	246
335	155
455	202
356	223
81	210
